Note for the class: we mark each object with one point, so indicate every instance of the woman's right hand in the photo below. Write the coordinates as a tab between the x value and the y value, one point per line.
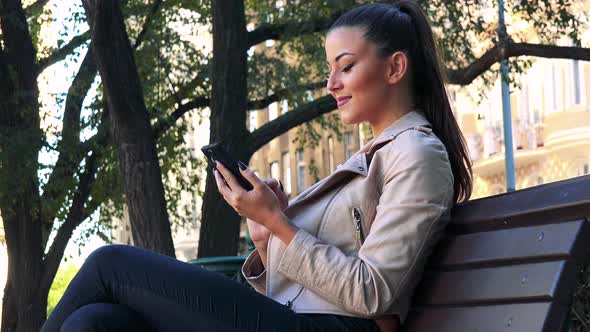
258	233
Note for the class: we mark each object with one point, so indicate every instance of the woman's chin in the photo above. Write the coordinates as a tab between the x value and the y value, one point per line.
347	120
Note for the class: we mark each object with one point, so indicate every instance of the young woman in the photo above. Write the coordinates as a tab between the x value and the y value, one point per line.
344	255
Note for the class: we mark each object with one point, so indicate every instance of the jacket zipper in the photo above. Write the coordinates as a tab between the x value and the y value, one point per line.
358	229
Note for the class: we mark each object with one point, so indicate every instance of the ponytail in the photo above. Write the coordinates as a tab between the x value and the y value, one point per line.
403	26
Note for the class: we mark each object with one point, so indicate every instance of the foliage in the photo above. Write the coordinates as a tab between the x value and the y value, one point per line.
64	275
174	57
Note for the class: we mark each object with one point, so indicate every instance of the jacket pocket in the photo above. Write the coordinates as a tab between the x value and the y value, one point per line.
357	219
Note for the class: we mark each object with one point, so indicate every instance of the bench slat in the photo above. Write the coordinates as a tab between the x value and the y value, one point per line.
522	245
527	317
549	203
549	281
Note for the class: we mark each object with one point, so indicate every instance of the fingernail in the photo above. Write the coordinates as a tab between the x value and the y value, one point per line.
242	165
281	184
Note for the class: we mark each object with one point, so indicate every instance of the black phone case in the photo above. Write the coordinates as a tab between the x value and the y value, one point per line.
216	152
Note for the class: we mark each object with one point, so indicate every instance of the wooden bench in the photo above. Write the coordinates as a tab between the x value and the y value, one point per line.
509	262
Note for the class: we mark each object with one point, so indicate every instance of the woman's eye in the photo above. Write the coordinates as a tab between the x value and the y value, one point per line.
347	68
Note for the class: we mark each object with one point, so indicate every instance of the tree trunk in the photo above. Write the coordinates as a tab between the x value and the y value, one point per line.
220	223
20	142
130	127
20	314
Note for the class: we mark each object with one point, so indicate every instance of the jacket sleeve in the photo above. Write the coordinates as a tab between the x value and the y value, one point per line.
254	272
417	191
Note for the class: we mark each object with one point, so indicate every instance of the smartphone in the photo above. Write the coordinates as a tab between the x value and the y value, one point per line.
216	152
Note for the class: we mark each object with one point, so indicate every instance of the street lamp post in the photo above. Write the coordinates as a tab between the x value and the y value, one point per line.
506	111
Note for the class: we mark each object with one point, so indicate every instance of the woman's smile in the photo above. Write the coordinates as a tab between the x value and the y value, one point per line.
343	100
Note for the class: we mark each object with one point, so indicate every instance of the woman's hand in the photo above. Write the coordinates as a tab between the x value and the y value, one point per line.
277	188
258	233
260	204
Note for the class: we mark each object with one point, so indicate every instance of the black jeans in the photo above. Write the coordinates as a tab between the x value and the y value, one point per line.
124	288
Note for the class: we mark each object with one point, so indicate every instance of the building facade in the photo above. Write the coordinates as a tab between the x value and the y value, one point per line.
550	127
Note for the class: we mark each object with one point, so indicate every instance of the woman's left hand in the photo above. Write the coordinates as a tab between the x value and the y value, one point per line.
259	204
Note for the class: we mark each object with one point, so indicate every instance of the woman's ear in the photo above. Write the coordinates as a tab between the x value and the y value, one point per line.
397	67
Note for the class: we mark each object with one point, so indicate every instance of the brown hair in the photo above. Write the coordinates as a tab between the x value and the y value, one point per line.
403	26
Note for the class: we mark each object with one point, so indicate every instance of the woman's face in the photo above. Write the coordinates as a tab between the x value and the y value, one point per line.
357	75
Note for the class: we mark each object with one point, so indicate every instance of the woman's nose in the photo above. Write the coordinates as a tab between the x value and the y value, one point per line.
334	84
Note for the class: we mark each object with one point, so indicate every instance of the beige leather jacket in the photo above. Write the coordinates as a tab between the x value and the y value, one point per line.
365	230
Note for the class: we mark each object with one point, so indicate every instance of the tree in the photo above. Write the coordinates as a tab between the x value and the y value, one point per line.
176	81
131	128
72	191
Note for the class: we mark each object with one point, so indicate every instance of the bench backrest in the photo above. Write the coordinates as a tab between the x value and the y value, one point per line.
508	262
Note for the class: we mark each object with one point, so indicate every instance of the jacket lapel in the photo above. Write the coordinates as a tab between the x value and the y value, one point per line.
357	164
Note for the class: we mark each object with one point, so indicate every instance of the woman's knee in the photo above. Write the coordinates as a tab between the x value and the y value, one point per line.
108	254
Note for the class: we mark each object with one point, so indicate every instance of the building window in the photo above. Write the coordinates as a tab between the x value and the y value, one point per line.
286	172
349	147
253	123
331	153
274	170
300	171
273	111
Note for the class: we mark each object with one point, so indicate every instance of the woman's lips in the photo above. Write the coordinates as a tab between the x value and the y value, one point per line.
343	100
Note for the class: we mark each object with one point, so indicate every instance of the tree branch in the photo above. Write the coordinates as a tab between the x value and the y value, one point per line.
162	125
76	215
498	53
70	154
147	23
36	6
291	119
71	151
62	52
282	94
282	30
77	41
80	209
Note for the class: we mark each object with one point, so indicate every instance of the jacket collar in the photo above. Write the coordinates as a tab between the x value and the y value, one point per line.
411	120
358	163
